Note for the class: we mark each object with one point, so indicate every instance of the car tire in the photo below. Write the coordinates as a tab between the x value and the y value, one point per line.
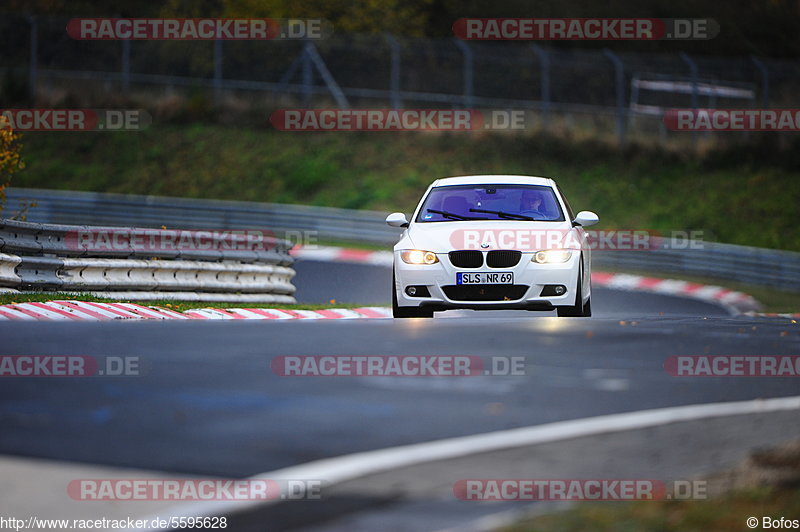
406	312
579	309
587	308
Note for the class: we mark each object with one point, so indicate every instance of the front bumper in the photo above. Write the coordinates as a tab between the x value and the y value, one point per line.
529	277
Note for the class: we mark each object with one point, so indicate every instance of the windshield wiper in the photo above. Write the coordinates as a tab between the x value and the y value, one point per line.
507	215
452	215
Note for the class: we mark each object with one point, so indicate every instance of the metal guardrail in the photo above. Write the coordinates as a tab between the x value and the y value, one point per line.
66	258
96	208
757	266
765	267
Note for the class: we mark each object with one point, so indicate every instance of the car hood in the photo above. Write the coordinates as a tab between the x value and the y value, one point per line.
442	237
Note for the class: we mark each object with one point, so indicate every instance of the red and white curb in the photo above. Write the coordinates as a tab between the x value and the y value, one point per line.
736	302
91	311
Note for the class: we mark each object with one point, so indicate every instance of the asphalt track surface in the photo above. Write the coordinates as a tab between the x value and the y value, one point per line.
208	402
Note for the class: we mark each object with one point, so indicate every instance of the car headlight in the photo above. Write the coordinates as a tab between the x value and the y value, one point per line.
552	256
418	256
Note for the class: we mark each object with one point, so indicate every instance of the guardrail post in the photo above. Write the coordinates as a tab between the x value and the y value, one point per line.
126	66
544	82
764	80
394	81
468	69
619	71
218	71
33	66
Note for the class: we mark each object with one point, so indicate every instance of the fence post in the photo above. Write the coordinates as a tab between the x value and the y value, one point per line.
544	63
289	74
693	72
468	85
619	71
764	80
336	91
218	71
126	66
33	68
695	95
394	81
307	76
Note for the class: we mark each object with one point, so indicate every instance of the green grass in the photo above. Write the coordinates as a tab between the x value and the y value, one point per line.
179	306
723	514
738	194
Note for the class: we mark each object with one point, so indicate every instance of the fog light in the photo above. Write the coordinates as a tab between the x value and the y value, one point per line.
419	290
553	290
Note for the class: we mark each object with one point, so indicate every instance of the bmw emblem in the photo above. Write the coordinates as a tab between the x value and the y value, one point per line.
484	245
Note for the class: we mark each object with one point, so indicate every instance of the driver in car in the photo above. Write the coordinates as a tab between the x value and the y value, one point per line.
531	205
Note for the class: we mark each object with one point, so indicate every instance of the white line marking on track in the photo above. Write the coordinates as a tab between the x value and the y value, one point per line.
353	466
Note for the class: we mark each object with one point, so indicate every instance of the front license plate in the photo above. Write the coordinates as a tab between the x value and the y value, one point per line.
485	278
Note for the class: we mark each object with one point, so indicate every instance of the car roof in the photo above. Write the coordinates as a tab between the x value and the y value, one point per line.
494	180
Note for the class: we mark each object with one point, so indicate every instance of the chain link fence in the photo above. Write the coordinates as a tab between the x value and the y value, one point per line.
615	91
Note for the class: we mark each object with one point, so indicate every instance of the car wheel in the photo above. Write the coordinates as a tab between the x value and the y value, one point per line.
579	309
406	312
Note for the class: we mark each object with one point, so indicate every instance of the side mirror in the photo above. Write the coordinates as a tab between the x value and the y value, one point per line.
585	218
397	219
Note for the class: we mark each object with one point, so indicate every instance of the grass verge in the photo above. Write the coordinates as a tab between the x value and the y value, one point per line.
722	514
765	484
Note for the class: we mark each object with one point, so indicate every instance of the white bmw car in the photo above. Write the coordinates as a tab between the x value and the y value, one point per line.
492	242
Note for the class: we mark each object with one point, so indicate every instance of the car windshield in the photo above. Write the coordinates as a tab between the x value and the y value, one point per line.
491	202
